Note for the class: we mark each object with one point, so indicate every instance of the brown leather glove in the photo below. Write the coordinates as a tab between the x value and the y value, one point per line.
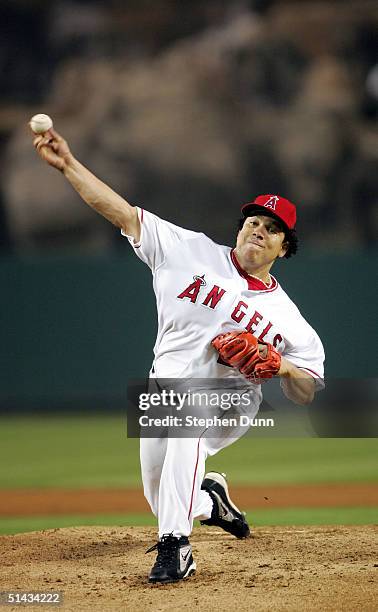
254	358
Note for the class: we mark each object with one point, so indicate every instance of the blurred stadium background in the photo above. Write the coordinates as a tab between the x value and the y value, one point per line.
188	109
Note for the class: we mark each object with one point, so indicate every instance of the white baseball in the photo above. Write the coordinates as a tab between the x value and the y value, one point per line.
40	123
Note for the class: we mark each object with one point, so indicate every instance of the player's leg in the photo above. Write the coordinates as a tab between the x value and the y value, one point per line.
184	493
180	481
152	455
180	485
224	512
180	498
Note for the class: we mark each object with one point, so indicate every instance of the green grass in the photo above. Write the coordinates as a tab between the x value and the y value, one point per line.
283	516
67	451
94	451
299	460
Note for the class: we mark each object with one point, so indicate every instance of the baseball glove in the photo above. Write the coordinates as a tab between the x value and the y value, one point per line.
254	358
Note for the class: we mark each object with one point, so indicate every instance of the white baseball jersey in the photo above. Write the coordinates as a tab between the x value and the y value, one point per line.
201	291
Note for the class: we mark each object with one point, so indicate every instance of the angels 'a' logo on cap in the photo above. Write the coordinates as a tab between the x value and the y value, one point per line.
272	202
280	207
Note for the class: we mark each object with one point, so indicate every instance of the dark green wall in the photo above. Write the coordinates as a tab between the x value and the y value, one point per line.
74	330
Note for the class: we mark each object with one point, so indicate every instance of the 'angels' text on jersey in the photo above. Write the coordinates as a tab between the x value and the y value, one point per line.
239	313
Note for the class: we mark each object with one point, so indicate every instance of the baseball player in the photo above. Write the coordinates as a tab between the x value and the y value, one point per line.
221	316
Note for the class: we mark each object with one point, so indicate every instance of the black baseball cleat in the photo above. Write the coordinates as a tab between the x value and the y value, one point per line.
224	514
174	560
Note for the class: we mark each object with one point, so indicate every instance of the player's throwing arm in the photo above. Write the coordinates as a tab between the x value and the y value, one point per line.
54	150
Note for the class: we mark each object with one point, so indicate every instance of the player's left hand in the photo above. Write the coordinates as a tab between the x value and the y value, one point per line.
254	358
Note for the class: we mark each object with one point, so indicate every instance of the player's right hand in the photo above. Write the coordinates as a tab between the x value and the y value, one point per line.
53	149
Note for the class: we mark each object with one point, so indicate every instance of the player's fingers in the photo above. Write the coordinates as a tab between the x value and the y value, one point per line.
43	144
37	140
263	350
47	139
55	135
40	144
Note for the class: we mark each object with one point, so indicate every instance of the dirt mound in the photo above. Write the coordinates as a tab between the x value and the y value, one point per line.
279	568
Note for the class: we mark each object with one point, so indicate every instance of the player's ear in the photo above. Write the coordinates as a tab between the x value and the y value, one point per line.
284	249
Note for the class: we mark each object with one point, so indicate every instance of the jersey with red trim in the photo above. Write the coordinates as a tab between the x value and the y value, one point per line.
202	291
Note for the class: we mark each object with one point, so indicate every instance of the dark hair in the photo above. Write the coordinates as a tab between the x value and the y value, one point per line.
291	239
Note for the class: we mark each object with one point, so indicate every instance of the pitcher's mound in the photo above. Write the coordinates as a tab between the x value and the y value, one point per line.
278	568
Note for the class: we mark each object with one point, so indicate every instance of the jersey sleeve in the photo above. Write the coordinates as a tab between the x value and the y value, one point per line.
307	353
157	238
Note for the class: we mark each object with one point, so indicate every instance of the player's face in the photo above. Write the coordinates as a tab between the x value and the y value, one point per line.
260	241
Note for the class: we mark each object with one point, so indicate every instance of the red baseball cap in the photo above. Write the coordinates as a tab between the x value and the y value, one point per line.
275	206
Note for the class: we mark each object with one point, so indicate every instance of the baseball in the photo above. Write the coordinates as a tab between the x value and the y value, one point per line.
40	123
